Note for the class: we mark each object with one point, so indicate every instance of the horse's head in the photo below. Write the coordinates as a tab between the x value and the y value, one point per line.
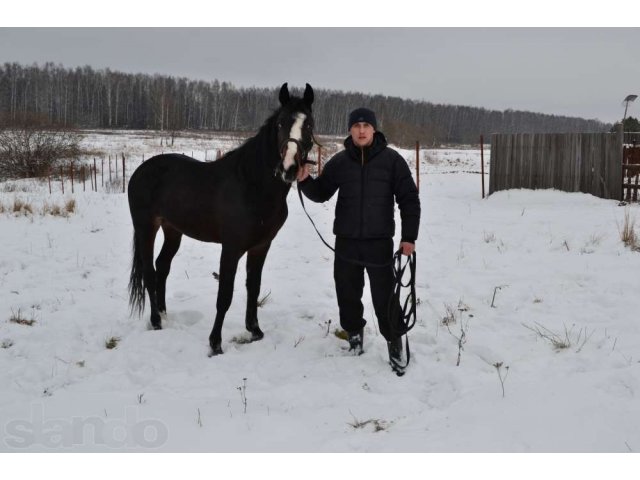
295	132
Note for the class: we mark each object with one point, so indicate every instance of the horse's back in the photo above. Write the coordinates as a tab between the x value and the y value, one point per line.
166	172
181	192
160	165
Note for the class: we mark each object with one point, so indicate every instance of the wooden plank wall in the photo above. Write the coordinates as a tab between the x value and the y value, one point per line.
572	162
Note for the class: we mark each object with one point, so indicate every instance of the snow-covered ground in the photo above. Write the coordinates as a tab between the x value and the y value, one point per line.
509	275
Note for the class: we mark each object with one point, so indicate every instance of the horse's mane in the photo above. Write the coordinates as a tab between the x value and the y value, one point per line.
263	132
250	142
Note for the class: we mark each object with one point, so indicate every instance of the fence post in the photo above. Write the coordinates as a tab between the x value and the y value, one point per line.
482	162
95	174
71	167
418	165
110	169
62	178
124	176
102	172
84	178
620	148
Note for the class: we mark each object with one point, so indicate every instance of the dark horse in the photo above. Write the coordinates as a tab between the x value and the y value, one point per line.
239	201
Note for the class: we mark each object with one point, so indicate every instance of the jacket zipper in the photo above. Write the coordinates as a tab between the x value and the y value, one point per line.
362	193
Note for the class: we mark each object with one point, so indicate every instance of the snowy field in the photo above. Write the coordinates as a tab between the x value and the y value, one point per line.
527	337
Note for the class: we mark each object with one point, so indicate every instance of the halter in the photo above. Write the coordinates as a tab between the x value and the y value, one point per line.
300	159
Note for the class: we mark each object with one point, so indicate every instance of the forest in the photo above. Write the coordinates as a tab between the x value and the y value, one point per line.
85	97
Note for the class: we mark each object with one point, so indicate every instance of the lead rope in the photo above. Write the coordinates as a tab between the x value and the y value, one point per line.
348	260
407	315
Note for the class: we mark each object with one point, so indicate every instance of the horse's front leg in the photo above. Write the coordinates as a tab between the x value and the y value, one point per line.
255	261
228	267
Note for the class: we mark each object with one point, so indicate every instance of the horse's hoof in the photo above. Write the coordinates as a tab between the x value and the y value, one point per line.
215	350
256	334
156	321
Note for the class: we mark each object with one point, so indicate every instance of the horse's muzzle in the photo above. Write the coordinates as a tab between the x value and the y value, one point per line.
301	156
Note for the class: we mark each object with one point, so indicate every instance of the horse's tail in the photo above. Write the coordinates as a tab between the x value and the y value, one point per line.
136	283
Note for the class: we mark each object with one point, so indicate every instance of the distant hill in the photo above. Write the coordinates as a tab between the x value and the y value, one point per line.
88	98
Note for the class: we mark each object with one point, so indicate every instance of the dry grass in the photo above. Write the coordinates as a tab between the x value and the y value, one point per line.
17	318
450	315
70	206
20	207
111	343
9	187
562	341
341	334
628	232
54	210
264	300
557	341
377	424
113	186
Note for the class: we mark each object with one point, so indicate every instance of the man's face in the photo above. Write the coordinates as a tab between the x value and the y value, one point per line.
362	134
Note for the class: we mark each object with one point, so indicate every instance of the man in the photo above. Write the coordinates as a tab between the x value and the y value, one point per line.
368	175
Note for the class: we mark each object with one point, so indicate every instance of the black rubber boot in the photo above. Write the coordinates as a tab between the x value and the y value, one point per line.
356	342
395	356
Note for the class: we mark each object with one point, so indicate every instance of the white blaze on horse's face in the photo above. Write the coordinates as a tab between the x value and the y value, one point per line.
292	148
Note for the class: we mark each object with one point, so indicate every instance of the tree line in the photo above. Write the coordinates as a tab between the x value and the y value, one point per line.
85	97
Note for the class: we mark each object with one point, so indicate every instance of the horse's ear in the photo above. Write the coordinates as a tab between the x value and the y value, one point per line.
284	94
308	95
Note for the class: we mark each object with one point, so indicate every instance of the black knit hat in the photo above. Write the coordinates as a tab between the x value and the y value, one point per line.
363	115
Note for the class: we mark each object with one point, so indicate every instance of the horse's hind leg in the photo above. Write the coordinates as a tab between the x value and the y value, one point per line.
228	267
146	236
255	261
172	238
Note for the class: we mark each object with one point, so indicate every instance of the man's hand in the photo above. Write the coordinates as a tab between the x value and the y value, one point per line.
407	248
303	172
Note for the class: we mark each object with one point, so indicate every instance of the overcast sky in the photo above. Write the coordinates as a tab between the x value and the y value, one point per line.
584	72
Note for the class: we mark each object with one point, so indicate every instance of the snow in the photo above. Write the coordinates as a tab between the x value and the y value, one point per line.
499	268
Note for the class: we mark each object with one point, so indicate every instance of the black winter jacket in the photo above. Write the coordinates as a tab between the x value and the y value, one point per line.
367	180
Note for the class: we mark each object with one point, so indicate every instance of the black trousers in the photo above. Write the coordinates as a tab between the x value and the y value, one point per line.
349	280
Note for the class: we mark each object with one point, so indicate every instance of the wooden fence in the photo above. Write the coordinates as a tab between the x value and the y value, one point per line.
112	173
572	162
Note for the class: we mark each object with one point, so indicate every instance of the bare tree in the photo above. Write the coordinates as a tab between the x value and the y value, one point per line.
31	148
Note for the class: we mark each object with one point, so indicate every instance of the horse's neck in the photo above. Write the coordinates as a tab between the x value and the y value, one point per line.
257	162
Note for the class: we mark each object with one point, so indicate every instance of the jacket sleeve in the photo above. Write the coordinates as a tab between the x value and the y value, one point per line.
321	188
407	198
